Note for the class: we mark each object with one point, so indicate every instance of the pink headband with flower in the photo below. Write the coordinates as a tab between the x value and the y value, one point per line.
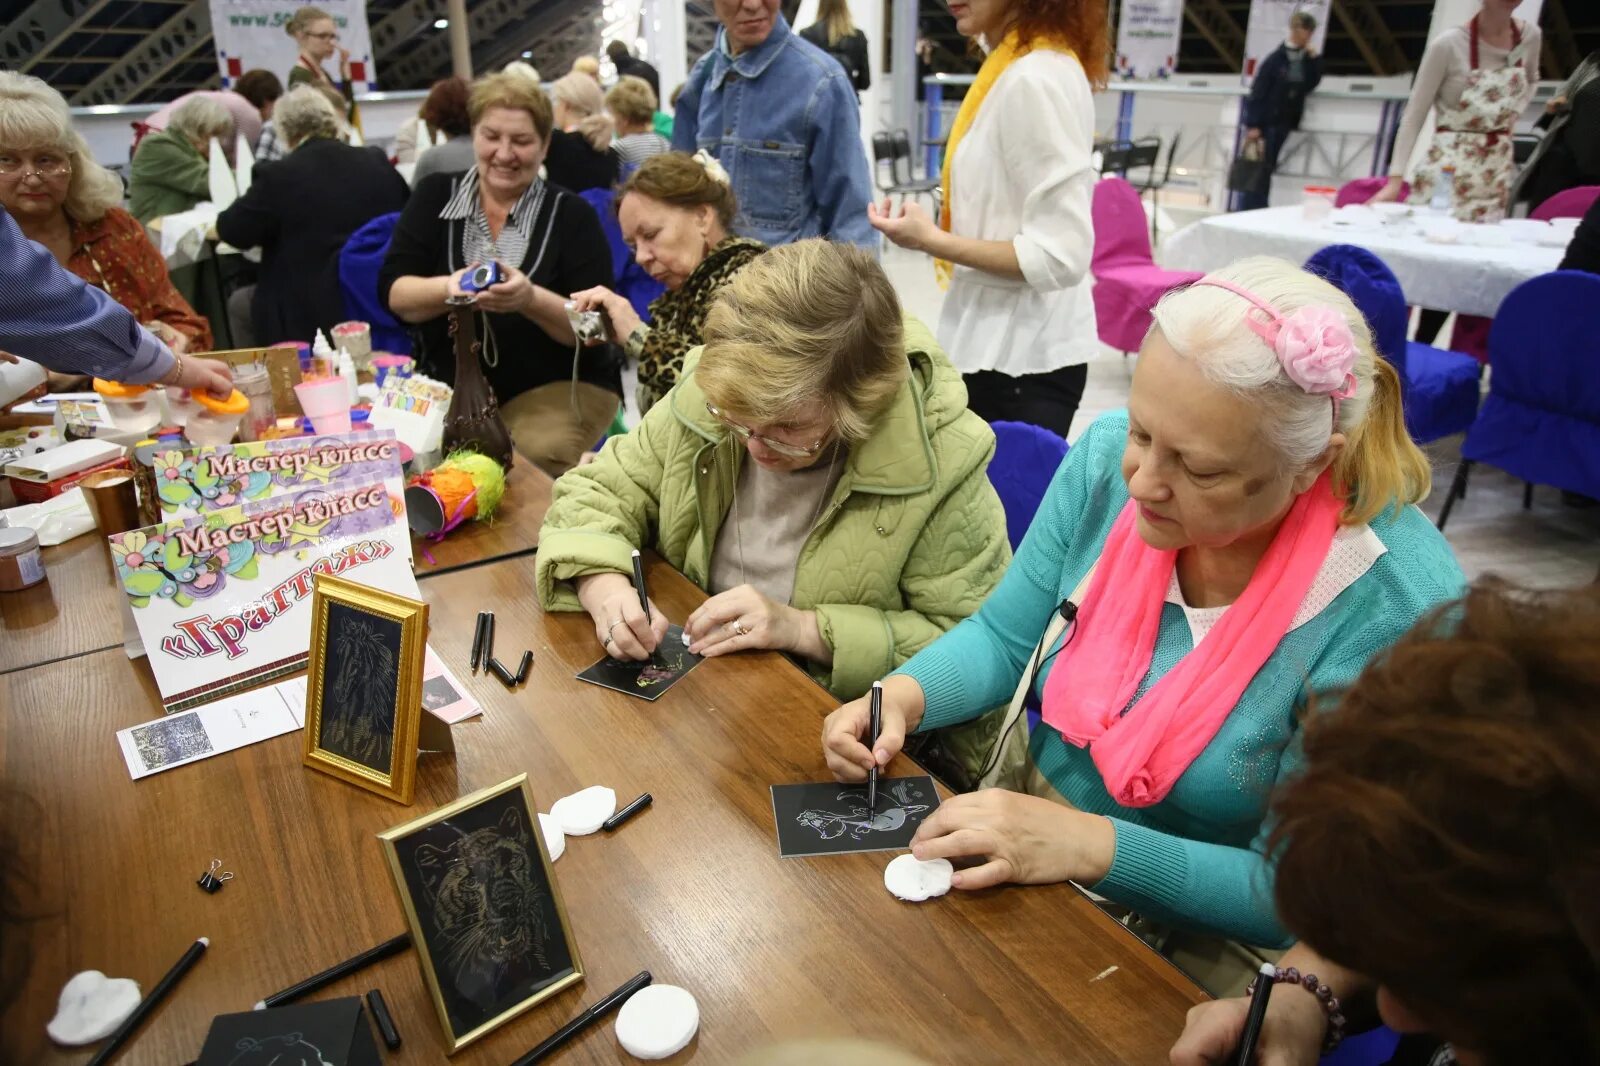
1314	344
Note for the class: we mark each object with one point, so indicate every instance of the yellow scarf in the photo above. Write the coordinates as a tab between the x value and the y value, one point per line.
994	65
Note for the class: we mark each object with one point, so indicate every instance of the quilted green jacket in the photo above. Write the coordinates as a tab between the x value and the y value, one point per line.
911	542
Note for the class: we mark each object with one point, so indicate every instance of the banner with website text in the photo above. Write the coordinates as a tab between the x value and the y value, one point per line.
251	34
1269	27
1147	38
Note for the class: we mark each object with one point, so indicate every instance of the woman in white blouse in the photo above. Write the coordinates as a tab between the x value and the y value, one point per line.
1015	235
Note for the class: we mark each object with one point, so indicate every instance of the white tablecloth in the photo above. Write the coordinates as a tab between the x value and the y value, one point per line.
1468	278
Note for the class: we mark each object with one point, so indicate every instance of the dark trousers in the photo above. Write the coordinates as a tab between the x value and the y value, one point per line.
1272	138
1049	399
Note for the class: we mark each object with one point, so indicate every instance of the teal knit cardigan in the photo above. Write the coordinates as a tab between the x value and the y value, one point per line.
1196	859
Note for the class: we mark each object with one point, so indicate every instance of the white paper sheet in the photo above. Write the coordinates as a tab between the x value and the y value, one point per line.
228	724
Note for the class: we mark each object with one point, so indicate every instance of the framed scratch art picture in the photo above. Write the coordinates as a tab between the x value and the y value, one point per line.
364	687
481	902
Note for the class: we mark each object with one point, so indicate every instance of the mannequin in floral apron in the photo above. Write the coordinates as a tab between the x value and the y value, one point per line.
1477	79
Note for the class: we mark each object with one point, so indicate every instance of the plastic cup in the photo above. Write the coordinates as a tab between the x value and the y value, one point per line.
326	401
131	408
1316	202
217	420
181	404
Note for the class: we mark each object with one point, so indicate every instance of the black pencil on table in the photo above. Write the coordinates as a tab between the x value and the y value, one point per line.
627	812
488	635
876	725
114	1043
477	641
556	1040
333	973
1257	1015
639	585
380	1015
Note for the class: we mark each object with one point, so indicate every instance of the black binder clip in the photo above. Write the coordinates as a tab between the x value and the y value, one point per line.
211	881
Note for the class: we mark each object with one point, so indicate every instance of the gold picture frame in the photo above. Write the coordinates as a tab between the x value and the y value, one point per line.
531	956
359	728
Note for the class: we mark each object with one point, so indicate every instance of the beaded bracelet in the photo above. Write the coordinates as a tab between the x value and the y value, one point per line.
1324	995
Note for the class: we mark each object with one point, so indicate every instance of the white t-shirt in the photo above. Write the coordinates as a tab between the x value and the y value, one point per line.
1022	173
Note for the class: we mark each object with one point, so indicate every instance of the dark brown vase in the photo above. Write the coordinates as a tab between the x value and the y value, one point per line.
473	421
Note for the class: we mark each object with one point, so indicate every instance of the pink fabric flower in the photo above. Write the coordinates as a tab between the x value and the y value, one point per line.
1317	350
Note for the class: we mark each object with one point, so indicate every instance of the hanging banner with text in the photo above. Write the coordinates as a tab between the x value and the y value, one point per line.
1269	27
1147	38
250	34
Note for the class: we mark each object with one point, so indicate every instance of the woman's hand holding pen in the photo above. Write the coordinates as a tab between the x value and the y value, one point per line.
620	624
842	734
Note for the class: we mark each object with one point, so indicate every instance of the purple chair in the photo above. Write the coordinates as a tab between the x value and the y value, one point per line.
1025	460
1363	189
1127	282
1568	203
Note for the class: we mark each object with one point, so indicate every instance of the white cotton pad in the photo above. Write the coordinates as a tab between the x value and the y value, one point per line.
914	880
658	1021
583	812
92	1006
555	841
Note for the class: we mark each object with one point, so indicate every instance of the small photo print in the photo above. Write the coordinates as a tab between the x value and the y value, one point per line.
438	693
172	740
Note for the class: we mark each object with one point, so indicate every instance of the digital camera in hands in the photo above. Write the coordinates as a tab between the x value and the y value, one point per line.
587	326
481	277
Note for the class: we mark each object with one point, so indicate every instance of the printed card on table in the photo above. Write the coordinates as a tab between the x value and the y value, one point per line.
223	600
180	739
193	480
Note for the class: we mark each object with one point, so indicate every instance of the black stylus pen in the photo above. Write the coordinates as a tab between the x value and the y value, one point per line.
627	812
1257	1015
876	726
639	585
561	1036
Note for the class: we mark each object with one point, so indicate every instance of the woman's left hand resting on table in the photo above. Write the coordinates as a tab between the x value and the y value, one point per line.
742	618
1024	839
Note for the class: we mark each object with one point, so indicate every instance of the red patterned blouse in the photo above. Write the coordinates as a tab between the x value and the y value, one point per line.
115	254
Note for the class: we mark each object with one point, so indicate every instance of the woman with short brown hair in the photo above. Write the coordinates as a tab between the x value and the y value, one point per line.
547	243
1440	851
677	215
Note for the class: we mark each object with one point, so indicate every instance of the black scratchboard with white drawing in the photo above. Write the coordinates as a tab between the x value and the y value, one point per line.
828	818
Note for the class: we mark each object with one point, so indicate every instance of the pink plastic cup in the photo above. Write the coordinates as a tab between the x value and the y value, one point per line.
326	401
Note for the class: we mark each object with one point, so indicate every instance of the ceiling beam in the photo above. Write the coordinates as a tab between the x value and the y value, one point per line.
401	24
166	46
1218	27
1560	57
431	59
555	33
1365	27
40	27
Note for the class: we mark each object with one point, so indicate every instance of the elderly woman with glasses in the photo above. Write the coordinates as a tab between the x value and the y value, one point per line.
71	206
815	470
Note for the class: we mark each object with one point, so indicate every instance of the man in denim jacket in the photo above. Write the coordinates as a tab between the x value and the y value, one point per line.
779	114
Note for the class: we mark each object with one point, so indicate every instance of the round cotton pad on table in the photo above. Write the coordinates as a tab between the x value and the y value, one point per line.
914	880
583	812
555	841
92	1006
658	1021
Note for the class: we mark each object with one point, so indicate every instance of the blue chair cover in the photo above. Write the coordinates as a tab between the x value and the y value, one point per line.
1025	459
359	262
630	280
1541	421
1439	388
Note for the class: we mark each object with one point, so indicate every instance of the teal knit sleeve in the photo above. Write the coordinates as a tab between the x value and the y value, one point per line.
976	666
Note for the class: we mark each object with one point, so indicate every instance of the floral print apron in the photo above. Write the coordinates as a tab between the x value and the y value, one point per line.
1474	137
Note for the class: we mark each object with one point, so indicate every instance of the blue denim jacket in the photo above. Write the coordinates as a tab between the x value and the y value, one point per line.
784	122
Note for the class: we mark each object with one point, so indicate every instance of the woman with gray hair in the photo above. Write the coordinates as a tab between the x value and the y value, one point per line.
300	210
580	155
169	172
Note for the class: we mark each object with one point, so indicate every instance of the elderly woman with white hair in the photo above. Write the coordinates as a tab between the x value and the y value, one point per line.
63	200
169	172
300	210
581	156
1238	542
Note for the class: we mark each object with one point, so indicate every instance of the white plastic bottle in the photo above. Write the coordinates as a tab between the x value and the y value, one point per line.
347	370
324	363
1444	192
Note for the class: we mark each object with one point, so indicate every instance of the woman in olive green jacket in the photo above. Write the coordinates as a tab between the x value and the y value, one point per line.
863	524
169	172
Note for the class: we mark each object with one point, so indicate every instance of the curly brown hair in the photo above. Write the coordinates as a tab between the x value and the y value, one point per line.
1444	839
1082	24
446	107
680	179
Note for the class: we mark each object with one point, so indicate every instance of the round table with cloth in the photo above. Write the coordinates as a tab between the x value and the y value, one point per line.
1470	278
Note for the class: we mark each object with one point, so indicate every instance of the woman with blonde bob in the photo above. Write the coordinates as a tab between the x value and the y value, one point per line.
580	154
1240	538
815	470
69	204
632	104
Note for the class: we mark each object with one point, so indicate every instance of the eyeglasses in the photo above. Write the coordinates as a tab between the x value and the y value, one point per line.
323	36
743	432
48	167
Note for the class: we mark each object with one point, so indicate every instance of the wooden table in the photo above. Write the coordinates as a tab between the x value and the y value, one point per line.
692	889
79	609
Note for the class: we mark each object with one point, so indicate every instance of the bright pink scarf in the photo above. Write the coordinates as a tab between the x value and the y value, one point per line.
1142	754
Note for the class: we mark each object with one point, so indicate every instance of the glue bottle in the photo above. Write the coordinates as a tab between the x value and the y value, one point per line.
322	358
347	370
